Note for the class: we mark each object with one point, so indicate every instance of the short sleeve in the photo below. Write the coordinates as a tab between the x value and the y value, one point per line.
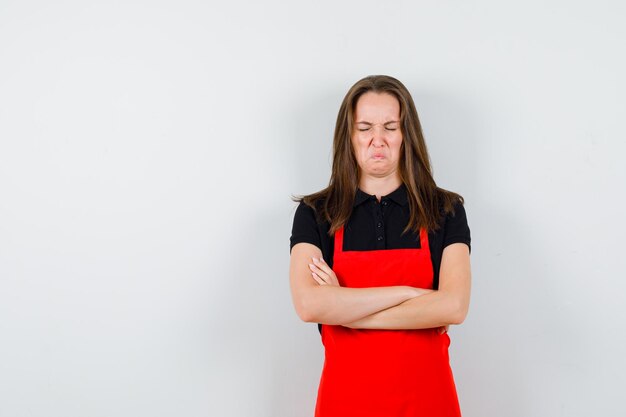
456	227
305	228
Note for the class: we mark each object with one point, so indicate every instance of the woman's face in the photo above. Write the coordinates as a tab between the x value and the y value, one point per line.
377	137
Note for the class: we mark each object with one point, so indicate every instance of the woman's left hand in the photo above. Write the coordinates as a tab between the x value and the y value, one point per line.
322	273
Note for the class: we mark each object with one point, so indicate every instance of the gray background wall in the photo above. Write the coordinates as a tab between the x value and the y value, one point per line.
148	151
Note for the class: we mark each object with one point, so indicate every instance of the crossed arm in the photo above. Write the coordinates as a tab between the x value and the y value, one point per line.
318	298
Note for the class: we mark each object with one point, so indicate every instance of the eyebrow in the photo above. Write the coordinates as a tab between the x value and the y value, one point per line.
370	124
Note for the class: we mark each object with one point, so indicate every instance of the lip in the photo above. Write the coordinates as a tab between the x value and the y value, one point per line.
378	156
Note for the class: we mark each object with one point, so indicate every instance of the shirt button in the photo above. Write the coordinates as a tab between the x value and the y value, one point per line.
379	238
385	203
379	224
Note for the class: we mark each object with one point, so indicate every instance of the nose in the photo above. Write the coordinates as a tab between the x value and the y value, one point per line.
378	135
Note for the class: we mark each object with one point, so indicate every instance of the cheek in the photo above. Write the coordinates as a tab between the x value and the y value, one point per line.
397	145
359	148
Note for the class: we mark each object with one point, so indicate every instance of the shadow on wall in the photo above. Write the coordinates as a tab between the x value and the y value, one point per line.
505	354
486	350
453	135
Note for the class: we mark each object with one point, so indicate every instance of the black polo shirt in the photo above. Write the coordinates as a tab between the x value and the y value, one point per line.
377	225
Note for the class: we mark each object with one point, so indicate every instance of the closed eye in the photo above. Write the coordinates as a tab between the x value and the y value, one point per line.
363	127
366	127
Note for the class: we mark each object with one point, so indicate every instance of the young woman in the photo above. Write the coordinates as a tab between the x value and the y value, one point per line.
380	259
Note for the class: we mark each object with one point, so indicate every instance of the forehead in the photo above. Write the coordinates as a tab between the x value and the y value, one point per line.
376	107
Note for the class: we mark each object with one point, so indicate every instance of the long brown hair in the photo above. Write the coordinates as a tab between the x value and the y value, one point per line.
427	202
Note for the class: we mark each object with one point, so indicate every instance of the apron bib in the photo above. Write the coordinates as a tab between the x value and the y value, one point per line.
385	373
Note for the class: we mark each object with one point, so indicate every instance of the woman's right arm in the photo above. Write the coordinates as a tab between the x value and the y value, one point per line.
332	304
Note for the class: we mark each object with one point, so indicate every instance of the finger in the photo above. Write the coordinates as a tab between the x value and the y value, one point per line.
319	262
318	279
319	272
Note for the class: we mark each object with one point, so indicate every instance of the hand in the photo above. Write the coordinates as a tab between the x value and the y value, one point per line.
443	329
322	273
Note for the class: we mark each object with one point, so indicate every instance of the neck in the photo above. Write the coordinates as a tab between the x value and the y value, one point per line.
379	186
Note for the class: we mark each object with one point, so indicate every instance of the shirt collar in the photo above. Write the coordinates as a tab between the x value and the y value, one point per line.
398	196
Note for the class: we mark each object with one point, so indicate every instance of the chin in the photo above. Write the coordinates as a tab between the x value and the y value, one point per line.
380	172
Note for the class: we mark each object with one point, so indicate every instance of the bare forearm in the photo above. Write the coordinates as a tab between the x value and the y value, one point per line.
341	305
431	310
318	297
448	305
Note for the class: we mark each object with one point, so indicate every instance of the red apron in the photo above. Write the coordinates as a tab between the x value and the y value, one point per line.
385	373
